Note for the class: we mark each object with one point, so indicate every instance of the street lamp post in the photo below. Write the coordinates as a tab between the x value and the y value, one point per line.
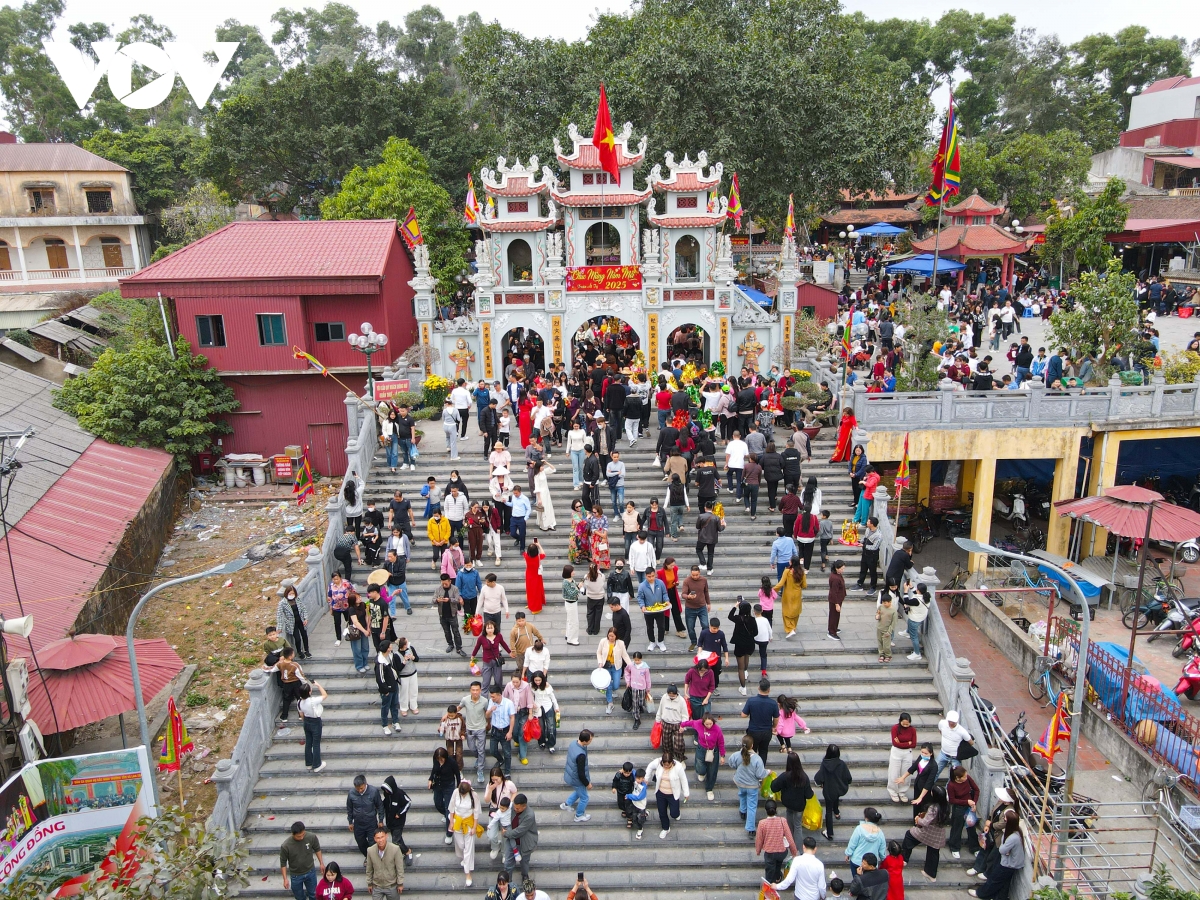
224	569
368	342
1080	676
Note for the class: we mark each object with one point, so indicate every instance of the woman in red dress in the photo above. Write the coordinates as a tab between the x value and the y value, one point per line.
841	453
525	419
535	589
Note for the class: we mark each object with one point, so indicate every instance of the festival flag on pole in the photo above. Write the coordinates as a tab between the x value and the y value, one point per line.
947	170
789	227
297	353
712	202
491	208
411	229
302	484
846	339
471	213
603	139
176	742
902	473
734	211
1057	731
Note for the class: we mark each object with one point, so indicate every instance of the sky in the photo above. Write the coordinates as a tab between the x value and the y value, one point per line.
1070	19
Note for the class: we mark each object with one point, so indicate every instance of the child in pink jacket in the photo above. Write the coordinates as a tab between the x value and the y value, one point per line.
789	722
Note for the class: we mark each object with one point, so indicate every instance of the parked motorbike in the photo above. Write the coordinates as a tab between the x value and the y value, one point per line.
1014	513
1189	680
1150	613
1181	613
1189	551
1189	642
957	522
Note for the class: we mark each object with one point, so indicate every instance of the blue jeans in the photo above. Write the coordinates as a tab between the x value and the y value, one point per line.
618	499
942	761
780	568
519	732
393	451
362	652
691	615
393	590
748	804
517	529
615	674
914	633
675	519
662	418
405	451
577	457
579	799
735	474
390	703
707	770
502	749
1023	374
304	887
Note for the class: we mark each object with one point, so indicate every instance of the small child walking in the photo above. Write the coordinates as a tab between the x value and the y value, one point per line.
763	637
789	722
893	864
825	535
767	595
451	728
885	617
637	800
622	784
501	818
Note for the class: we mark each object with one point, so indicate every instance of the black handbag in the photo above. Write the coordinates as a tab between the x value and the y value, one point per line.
627	700
966	751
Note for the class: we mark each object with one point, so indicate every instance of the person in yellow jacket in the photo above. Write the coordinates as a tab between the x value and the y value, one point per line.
791	587
439	536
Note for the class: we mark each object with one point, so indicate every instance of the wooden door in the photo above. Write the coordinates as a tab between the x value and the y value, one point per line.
112	256
56	255
324	438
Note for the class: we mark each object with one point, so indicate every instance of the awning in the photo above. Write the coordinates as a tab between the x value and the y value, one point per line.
923	265
755	296
880	229
1184	162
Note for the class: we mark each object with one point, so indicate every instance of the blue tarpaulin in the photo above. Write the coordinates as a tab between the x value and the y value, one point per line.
755	296
923	265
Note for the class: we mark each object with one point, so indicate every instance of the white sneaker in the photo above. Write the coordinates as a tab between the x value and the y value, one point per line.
448	840
337	643
956	854
662	834
320	768
913	656
494	853
583	818
742	691
710	795
564	806
387	729
789	634
608	712
652	647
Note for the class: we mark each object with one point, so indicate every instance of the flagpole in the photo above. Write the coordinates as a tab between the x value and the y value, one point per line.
937	241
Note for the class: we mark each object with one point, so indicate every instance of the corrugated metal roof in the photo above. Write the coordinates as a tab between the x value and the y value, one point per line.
52	158
61	333
56	444
86	512
93	318
30	302
255	251
26	353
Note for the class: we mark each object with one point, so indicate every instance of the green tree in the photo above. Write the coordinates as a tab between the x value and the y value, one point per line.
923	324
147	398
1077	234
1032	169
129	320
253	64
158	159
1103	316
315	36
202	211
387	190
177	858
1130	60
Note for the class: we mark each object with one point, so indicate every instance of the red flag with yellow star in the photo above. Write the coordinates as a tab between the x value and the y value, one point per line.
603	139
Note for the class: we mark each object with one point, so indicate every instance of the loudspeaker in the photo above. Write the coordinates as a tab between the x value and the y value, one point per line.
22	627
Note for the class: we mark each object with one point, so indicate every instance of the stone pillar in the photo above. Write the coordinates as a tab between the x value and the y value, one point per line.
989	775
1037	394
261	711
1065	473
961	699
924	480
315	603
351	414
1195	378
981	519
946	386
223	777
1159	382
1114	396
886	528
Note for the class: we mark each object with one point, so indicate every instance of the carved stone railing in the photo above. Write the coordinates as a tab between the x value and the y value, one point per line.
236	777
949	407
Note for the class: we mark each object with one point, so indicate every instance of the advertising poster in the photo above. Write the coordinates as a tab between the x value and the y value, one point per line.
60	815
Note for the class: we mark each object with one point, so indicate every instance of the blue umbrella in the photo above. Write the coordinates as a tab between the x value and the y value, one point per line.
881	229
923	265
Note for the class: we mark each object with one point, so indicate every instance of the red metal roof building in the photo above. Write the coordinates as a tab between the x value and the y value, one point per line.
246	294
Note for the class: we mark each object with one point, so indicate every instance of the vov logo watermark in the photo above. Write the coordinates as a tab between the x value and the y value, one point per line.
189	61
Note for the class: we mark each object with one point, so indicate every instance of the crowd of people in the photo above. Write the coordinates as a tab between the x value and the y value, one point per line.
718	436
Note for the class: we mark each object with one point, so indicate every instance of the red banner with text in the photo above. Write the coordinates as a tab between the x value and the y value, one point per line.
604	278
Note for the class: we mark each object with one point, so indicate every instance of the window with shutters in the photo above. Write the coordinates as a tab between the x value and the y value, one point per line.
271	331
516	206
329	331
210	330
113	257
99	201
685	203
56	253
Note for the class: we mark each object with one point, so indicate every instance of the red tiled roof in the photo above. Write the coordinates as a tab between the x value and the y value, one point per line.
516	225
858	217
515	186
974	204
699	220
100	495
588	158
687	181
52	158
1167	84
266	250
969	240
629	199
873	197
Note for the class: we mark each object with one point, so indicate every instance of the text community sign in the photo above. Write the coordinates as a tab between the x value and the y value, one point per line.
604	278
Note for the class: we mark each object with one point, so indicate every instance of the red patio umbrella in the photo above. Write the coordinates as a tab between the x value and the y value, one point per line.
1123	510
87	685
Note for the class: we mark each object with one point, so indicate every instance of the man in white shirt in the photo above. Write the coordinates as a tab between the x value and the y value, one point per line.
953	734
807	873
461	398
641	556
736	452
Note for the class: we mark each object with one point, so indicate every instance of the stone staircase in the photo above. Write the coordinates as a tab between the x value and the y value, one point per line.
845	696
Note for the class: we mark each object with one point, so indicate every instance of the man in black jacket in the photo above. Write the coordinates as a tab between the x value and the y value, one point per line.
489	424
747	405
620	620
1023	361
791	465
364	812
871	882
667	435
614	402
591	479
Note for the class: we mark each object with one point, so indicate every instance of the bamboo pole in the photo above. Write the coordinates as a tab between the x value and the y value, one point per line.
1037	856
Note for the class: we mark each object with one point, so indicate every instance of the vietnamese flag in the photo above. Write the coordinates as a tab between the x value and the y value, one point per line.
603	139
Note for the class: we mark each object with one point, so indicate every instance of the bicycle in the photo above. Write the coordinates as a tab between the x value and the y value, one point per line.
957	581
1163	790
1038	681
